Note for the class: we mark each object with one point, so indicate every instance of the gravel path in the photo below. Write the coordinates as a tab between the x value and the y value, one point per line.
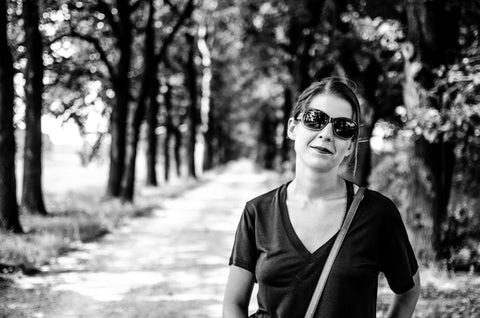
172	263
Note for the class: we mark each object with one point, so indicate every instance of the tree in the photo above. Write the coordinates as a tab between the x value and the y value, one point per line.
169	128
147	97
433	35
32	196
138	110
205	129
194	116
9	219
121	86
437	87
161	57
109	29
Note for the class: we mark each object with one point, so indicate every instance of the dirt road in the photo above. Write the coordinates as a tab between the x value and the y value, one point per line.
172	263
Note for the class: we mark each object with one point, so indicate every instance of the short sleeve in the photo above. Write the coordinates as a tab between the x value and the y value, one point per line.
244	251
397	259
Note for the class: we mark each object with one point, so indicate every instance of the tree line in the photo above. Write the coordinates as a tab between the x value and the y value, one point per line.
129	48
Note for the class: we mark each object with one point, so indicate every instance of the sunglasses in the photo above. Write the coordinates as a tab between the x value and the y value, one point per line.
314	119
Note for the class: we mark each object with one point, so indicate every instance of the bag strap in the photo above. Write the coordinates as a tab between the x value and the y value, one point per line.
333	254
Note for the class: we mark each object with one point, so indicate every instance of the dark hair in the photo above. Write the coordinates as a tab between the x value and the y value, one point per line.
342	88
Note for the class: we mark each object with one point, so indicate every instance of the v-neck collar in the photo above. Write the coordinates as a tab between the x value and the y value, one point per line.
292	235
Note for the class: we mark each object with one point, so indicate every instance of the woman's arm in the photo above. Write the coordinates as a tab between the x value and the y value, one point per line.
403	305
237	293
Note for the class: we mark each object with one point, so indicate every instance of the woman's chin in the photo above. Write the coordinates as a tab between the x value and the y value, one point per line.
321	164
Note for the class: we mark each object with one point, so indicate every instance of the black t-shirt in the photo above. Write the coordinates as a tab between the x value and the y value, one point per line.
286	272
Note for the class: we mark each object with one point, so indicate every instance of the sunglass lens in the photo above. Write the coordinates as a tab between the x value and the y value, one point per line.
344	128
315	119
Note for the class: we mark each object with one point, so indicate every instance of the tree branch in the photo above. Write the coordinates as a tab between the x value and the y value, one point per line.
94	41
102	7
172	6
187	11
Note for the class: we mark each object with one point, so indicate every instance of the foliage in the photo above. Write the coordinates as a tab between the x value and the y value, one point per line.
32	250
400	177
72	220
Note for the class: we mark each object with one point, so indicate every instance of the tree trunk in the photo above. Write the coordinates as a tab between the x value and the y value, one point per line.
138	112
287	109
440	160
206	93
267	151
152	140
431	34
9	220
176	150
32	196
153	105
209	161
121	87
191	77
167	96
432	29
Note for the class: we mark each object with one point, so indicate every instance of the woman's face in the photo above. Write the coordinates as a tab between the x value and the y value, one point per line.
321	150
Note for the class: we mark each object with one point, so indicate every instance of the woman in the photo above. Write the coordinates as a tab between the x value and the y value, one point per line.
284	236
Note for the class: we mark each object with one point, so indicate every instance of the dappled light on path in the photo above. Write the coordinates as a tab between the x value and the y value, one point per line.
173	263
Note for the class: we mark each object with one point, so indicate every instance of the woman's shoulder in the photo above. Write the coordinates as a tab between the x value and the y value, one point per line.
378	197
266	199
381	205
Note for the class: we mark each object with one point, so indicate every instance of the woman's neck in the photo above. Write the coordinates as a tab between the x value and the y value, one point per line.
310	184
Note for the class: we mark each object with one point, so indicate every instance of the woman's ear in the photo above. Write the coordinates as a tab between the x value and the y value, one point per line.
291	128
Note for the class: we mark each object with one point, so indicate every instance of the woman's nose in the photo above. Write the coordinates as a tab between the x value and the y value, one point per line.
327	132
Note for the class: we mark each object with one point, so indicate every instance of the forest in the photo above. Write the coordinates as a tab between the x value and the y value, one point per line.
194	84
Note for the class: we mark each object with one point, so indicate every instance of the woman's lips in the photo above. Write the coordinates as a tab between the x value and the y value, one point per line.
322	150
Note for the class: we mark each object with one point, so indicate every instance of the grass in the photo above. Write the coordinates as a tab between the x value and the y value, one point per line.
71	220
77	211
78	217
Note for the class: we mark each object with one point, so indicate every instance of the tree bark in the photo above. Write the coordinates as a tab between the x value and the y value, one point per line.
153	106
222	145
430	33
121	87
32	195
9	220
138	111
267	152
432	29
209	161
152	140
191	83
205	101
167	96
176	150
287	109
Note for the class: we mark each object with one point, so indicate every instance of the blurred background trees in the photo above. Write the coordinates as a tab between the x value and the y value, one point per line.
194	84
8	199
